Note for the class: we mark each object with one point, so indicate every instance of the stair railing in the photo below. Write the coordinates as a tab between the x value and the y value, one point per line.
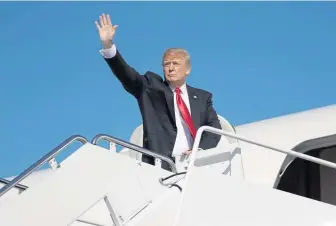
235	136
21	187
134	147
49	157
210	129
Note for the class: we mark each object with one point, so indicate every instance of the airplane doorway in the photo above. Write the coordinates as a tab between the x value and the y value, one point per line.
309	179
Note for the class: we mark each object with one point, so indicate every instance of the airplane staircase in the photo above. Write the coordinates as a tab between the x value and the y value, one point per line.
213	199
91	186
95	186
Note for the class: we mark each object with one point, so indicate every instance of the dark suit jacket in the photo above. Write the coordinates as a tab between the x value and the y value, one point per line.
155	99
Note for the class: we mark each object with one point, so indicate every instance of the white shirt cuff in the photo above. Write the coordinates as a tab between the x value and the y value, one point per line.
109	53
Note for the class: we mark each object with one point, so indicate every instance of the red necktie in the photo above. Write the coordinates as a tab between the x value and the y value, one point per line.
185	112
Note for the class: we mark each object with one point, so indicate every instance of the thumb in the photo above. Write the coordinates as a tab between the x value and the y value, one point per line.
115	26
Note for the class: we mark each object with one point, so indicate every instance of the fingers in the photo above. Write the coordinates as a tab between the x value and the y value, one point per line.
187	152
101	20
97	25
104	20
108	19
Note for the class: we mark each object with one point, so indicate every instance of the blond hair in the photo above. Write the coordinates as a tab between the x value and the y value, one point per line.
176	51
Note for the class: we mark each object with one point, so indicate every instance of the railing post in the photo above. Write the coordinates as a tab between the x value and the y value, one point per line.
232	135
41	162
288	152
134	147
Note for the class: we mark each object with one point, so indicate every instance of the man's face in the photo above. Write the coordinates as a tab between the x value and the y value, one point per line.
175	68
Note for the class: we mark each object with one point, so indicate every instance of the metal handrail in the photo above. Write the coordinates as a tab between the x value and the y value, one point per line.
223	133
19	186
232	135
41	162
133	147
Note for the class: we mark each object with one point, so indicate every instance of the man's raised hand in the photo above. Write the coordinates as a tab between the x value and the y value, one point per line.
106	30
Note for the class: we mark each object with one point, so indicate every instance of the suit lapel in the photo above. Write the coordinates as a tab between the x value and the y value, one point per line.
193	101
170	102
194	106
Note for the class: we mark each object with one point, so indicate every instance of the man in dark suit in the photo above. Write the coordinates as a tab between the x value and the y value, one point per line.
171	110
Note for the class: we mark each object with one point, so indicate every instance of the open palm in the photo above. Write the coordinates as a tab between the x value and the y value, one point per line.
106	29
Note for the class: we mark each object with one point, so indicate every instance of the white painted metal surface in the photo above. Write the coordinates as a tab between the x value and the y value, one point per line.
261	165
11	194
214	199
231	184
81	182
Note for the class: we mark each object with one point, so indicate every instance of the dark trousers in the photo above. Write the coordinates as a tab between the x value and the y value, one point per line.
150	160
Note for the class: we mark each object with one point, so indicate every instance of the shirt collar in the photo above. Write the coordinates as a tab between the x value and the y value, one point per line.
183	88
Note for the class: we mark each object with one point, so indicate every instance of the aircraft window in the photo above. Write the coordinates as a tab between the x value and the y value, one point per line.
309	179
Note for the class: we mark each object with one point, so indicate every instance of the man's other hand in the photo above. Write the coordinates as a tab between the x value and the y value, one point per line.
187	152
106	30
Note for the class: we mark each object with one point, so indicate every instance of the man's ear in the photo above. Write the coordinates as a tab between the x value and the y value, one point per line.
188	70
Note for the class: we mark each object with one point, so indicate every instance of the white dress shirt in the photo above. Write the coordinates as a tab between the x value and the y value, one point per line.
184	140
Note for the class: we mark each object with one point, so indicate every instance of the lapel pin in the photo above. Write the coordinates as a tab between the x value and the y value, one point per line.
195	97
